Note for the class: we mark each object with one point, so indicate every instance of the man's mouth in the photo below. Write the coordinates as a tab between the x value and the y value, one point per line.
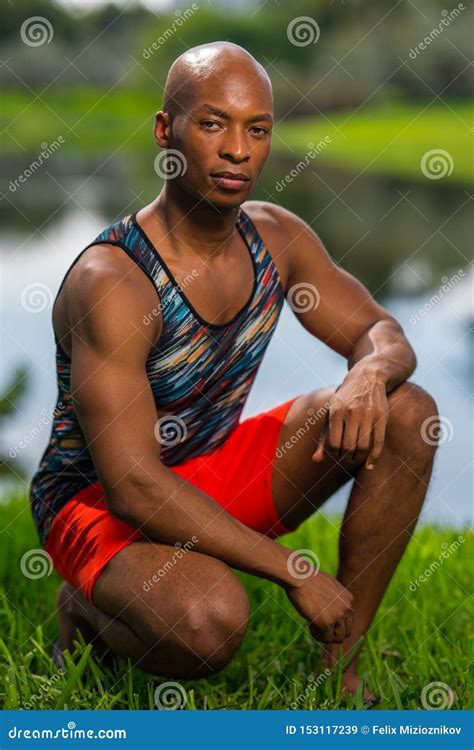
232	180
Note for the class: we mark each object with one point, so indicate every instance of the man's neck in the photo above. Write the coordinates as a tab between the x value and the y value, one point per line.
194	223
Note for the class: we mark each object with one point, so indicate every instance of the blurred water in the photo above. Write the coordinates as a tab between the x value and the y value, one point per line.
295	362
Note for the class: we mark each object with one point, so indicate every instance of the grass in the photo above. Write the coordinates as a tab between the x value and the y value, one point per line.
419	637
386	138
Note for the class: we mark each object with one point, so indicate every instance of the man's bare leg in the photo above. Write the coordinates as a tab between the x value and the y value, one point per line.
188	622
383	507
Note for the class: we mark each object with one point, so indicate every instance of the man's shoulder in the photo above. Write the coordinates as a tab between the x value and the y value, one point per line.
282	231
276	218
103	283
280	226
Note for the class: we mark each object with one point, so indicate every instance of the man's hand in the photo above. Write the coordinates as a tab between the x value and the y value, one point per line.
326	604
356	419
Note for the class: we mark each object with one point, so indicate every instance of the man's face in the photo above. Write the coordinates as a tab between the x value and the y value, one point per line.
225	136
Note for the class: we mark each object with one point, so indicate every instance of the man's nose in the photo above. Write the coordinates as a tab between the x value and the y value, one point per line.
235	146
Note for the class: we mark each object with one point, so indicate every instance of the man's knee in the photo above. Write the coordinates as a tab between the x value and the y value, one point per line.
413	420
210	629
216	625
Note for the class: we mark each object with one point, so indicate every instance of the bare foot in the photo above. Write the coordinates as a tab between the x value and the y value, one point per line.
350	679
71	610
351	683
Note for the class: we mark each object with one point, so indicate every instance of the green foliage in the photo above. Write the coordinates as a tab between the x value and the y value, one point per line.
13	393
389	139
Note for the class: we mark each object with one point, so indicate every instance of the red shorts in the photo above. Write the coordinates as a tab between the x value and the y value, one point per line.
84	535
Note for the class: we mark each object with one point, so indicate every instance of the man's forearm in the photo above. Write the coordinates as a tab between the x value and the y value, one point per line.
384	353
171	510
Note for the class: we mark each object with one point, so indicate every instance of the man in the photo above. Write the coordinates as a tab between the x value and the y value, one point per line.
145	518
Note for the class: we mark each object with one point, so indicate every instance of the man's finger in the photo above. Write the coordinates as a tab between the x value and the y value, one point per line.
348	620
335	434
377	444
319	452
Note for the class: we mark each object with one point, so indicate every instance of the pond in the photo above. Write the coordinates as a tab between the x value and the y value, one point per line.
403	240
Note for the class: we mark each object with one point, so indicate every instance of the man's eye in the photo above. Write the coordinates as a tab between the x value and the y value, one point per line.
207	124
261	131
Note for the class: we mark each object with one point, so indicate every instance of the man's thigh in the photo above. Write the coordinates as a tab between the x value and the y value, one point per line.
299	484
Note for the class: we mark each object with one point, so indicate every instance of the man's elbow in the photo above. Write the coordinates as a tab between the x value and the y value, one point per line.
129	499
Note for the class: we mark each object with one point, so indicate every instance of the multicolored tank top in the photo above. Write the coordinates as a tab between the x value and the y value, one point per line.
200	373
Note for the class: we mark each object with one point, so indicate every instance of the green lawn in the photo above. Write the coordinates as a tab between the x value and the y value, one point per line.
420	637
388	139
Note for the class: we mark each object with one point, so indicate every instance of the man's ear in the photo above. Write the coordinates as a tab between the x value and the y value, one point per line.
161	128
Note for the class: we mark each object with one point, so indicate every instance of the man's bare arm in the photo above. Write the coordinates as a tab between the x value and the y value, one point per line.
336	308
116	410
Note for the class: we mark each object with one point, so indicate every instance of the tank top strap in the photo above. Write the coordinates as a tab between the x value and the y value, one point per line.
127	234
266	267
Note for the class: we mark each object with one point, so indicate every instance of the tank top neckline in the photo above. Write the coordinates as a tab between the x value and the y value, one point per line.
132	220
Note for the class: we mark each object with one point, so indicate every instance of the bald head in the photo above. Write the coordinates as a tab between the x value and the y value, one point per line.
199	66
